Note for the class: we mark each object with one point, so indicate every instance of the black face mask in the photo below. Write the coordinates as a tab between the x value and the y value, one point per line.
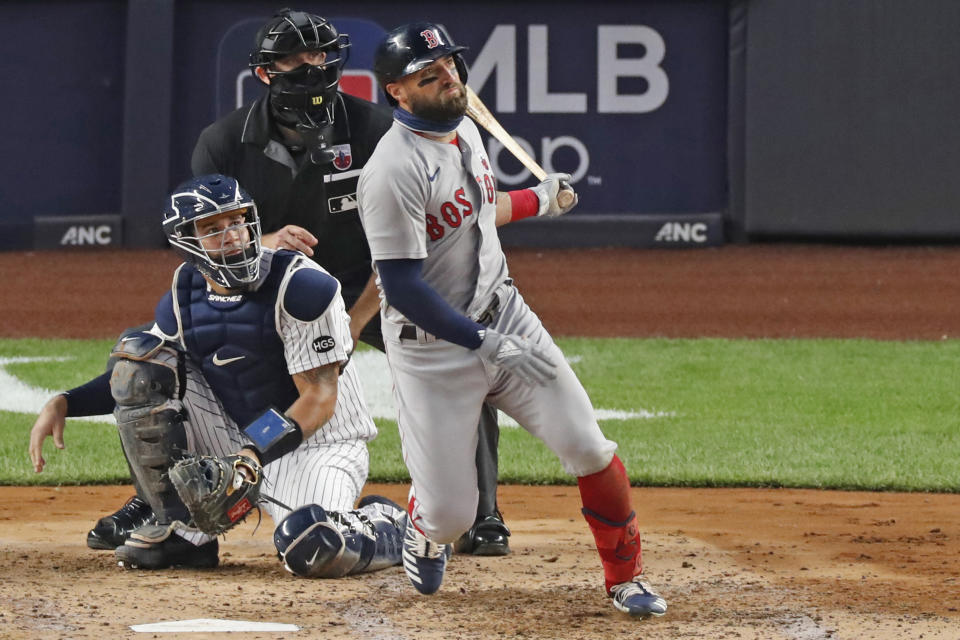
304	99
304	96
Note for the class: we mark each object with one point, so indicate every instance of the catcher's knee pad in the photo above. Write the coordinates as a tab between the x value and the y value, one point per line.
311	545
619	547
154	372
146	388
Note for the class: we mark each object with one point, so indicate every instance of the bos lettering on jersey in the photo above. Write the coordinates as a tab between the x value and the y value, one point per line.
454	210
452	214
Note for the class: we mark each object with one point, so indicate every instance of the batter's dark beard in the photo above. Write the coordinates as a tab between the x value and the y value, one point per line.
447	109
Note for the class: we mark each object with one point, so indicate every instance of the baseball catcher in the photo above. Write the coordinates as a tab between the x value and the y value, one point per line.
242	331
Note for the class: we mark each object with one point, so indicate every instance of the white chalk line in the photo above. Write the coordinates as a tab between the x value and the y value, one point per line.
18	396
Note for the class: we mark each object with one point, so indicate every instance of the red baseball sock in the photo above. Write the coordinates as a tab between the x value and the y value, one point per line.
607	492
606	507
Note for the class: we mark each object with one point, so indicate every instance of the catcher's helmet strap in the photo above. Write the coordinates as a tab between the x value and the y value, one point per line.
272	435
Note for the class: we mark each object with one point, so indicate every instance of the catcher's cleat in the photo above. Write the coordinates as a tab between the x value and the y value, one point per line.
487	537
638	599
377	499
157	547
385	507
112	531
424	561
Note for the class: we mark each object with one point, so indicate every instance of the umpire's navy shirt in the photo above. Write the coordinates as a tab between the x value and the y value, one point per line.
246	145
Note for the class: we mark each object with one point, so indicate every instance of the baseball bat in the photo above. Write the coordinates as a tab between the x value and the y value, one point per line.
479	113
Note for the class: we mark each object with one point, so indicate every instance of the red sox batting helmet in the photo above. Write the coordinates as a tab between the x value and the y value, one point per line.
411	47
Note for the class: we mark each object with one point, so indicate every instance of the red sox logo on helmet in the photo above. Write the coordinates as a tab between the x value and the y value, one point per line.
432	38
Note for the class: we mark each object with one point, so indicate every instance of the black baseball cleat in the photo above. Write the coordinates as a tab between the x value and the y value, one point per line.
158	547
112	531
487	537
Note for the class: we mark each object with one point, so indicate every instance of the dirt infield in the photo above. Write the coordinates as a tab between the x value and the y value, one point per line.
733	563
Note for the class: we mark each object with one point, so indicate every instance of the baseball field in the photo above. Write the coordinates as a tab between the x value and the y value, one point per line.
787	413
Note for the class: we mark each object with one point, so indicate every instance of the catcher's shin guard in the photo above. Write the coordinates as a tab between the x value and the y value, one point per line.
146	388
619	547
316	544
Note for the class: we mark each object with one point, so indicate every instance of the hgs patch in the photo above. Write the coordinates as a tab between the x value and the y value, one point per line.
324	344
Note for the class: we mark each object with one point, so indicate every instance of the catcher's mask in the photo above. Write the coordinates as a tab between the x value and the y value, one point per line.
411	47
228	255
305	95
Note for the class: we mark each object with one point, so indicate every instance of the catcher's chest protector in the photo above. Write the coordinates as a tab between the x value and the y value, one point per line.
234	340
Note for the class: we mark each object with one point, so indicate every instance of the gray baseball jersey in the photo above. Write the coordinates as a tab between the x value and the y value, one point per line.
423	199
437	201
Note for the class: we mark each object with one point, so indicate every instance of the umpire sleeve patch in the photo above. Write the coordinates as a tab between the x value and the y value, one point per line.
309	294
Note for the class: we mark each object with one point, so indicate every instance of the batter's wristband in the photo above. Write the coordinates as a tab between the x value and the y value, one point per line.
273	435
524	204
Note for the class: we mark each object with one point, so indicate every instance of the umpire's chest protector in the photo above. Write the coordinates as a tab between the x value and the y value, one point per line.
235	341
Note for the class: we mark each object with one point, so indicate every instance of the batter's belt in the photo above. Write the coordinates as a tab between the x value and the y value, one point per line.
486	317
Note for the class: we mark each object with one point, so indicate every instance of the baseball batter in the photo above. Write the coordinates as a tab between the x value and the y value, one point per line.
458	332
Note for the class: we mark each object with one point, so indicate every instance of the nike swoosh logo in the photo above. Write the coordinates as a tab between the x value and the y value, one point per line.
433	177
314	558
220	362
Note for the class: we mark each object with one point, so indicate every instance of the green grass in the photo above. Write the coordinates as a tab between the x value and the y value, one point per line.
92	454
848	414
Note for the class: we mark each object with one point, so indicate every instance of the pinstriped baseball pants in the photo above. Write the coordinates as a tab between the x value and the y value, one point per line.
331	475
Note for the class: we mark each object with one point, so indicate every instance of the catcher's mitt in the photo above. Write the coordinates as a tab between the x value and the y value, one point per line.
218	492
